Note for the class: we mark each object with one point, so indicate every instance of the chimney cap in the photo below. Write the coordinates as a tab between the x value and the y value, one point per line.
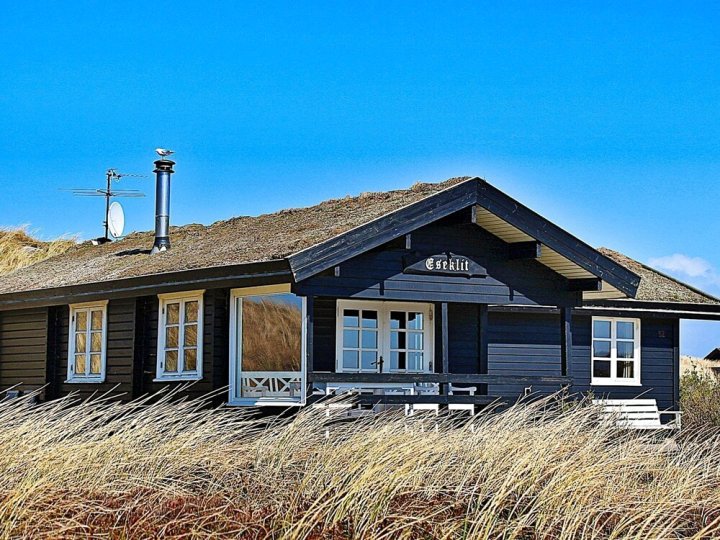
164	165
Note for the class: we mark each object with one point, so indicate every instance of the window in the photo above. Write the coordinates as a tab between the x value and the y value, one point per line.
86	347
267	346
615	351
385	337
180	336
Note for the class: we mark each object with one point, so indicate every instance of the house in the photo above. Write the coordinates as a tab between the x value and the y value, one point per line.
431	288
714	354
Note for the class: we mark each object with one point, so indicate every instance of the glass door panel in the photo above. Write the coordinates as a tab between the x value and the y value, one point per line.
407	349
360	340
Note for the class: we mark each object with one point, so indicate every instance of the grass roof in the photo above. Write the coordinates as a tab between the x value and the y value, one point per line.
32	265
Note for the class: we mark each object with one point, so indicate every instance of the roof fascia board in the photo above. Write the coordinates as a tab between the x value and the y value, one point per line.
338	249
655	313
218	276
646	304
586	311
561	241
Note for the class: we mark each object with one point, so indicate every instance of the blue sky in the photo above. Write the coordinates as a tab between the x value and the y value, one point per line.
604	117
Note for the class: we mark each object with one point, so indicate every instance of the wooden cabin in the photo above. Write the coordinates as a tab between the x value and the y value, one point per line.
413	294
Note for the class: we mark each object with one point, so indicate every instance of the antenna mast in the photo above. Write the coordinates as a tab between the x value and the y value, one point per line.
108	193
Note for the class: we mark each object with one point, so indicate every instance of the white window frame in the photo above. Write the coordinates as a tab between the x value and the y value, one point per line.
186	296
384	307
72	377
614	380
236	295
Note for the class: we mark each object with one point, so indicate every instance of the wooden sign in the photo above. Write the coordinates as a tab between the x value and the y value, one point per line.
446	264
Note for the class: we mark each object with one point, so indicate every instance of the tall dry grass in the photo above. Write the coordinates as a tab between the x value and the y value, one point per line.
700	399
18	249
165	469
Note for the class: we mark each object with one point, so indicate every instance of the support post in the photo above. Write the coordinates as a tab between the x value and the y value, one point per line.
445	344
676	364
309	334
566	341
483	346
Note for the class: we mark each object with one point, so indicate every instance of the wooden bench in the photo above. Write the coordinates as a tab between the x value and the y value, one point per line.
637	413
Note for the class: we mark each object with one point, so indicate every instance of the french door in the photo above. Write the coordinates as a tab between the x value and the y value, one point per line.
384	337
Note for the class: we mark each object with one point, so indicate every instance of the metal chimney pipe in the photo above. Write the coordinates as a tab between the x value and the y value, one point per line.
163	170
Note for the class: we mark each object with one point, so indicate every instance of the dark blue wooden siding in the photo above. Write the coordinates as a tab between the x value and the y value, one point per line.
324	334
23	349
378	274
120	344
523	345
657	371
463	342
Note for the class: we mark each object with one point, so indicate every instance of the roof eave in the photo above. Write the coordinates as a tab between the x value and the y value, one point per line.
261	272
655	305
377	232
556	238
340	248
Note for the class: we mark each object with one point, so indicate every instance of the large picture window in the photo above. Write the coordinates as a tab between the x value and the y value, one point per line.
383	337
180	336
87	345
267	344
615	351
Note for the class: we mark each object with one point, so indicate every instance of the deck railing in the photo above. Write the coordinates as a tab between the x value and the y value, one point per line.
459	378
271	384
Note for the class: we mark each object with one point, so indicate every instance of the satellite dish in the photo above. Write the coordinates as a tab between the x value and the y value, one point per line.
116	220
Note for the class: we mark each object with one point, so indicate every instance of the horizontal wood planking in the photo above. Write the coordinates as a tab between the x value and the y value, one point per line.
657	373
523	344
220	338
149	348
379	274
324	339
119	353
23	348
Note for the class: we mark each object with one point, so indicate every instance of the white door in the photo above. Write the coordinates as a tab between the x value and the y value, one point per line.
383	337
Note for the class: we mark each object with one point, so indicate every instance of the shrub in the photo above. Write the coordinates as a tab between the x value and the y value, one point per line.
700	400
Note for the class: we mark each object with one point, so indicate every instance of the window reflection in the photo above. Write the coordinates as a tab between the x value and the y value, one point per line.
271	332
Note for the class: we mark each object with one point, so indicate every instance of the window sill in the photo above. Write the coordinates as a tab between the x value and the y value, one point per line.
614	382
85	381
178	379
264	402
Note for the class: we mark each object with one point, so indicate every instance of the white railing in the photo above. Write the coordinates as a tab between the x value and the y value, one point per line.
271	384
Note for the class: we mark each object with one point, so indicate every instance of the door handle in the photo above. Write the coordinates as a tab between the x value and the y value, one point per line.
379	363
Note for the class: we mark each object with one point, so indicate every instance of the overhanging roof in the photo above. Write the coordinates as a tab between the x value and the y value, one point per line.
563	252
298	242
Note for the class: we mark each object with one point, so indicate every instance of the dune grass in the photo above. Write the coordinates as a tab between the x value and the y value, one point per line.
700	399
183	470
18	248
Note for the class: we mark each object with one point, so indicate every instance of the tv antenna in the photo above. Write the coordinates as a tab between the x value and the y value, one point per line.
110	176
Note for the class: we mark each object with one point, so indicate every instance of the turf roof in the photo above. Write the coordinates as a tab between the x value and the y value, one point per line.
269	237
